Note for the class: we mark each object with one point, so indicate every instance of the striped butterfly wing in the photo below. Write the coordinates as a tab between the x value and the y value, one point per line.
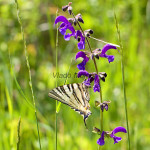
75	95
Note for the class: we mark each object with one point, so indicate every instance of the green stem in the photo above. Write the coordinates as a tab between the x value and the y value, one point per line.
56	81
123	79
28	66
18	133
101	113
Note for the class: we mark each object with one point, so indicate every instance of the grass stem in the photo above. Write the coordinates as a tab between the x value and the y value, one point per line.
123	79
18	133
56	82
28	66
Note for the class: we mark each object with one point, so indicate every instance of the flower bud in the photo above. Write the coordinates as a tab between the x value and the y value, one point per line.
88	32
97	103
71	20
69	4
96	130
70	10
79	18
102	75
104	105
64	8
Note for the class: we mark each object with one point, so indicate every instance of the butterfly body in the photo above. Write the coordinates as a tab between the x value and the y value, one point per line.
75	95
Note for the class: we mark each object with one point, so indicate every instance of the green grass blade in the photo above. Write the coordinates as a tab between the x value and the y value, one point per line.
123	79
18	133
28	66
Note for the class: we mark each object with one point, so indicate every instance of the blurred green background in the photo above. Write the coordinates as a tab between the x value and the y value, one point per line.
38	22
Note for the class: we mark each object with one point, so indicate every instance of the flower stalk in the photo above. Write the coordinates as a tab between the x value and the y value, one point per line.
123	79
82	36
96	68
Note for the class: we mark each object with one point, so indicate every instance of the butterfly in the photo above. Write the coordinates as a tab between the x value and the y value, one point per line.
76	96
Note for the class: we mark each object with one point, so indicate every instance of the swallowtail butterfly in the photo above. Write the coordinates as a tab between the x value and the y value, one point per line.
75	95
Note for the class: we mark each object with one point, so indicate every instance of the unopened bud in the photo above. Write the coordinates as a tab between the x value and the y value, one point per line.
70	10
96	130
88	32
69	3
71	20
64	8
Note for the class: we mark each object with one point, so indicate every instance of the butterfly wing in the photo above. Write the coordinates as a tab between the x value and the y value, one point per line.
75	95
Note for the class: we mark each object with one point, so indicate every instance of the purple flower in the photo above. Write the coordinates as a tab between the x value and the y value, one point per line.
96	86
83	73
64	26
88	81
105	49
116	130
81	66
101	141
81	40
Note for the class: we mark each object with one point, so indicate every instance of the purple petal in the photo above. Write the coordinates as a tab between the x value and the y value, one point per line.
62	25
81	54
107	47
81	66
106	107
78	33
67	36
88	81
81	45
61	19
63	30
71	28
117	139
82	73
119	129
101	141
96	86
110	58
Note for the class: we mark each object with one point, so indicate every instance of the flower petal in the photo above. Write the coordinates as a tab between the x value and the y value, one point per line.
82	73
119	129
63	30
96	86
62	25
117	139
88	81
81	66
101	141
81	54
78	33
67	36
71	28
81	45
107	47
110	58
61	19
